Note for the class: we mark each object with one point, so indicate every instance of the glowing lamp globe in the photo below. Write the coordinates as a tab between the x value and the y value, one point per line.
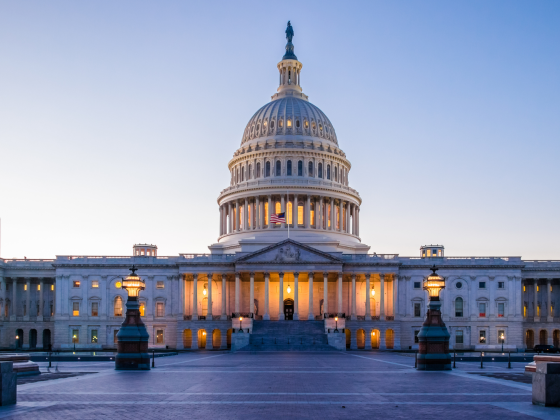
433	284
133	283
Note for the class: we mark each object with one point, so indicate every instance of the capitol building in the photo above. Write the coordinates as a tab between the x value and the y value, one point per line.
308	283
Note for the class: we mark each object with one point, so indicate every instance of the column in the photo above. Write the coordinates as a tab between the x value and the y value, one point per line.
340	216
333	221
27	298
354	315
319	212
518	281
221	220
236	223
181	286
41	303
224	314
209	287
269	210
352	213
246	215
3	286
295	213
368	301
195	298
325	293
266	315
307	217
358	221
396	297
281	297
492	302
549	317
252	293
382	297
339	286
237	292
14	300
258	224
535	301
283	209
296	296
311	315
230	221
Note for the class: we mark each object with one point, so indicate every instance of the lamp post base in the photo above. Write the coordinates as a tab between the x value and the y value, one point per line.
132	340
433	341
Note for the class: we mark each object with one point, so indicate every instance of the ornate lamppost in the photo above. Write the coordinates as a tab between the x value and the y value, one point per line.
132	338
336	324
433	338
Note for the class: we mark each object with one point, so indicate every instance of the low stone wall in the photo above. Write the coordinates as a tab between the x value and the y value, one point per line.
22	365
337	340
8	383
239	340
546	381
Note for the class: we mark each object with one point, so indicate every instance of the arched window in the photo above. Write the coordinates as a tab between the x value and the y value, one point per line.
320	170
258	174
249	172
118	306
336	174
237	175
328	171
267	169
459	307
289	168
272	124
278	168
310	168
300	168
242	173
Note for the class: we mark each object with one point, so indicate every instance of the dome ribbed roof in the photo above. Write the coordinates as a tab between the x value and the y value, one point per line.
289	116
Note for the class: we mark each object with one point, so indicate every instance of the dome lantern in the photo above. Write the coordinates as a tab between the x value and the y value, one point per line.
290	70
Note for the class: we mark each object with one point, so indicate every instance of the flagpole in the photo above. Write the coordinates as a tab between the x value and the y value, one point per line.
288	200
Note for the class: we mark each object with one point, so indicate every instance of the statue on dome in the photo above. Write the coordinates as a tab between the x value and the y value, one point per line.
289	32
289	46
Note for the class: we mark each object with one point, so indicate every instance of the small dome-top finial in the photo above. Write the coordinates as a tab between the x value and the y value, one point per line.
289	46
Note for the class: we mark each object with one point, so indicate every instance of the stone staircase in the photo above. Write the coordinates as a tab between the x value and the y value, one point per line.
288	336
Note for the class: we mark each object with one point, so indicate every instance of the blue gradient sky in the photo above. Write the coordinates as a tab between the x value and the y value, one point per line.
117	119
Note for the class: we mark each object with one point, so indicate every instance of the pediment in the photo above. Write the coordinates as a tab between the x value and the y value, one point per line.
289	251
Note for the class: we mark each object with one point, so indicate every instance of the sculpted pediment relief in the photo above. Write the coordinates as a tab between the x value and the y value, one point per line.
289	251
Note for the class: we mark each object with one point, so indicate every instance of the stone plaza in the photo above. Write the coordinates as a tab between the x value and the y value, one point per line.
274	385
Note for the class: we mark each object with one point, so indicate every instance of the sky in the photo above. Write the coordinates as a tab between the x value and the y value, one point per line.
118	119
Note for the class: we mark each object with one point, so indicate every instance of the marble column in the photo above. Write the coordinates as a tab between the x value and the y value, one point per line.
368	299
354	316
340	216
549	315
223	312
252	292
536	302
358	220
209	287
27	299
325	293
221	220
269	211
396	296
195	298
296	296
307	217
295	212
246	215
339	286
382	297
41	303
266	315
14	300
258	218
281	297
230	219
311	315
237	292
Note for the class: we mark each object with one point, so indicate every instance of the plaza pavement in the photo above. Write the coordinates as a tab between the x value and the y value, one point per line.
272	385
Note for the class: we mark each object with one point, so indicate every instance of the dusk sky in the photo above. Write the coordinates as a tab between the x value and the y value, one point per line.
118	119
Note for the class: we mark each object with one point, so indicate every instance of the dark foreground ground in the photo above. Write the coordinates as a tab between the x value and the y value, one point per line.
277	386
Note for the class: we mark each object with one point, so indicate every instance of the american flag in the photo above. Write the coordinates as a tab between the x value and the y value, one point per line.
278	218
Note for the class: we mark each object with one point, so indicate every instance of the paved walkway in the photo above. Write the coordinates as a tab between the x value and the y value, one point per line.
277	385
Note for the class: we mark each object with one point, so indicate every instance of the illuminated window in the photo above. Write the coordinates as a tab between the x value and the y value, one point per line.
459	307
482	337
266	219
320	126
501	336
75	284
538	310
459	337
417	309
525	310
160	284
95	284
482	310
25	287
289	122
142	308
289	218
38	287
118	285
118	306
329	209
524	288
312	214
159	309
280	123
310	168
538	288
75	336
313	125
501	308
278	207
300	214
289	168
94	336
429	252
94	309
306	124
264	123
76	308
159	336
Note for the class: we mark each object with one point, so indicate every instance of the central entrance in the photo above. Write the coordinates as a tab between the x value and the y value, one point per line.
288	309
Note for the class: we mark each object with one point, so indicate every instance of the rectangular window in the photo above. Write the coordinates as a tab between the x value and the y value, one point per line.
459	337
75	336
76	283
142	308
94	336
538	288
38	287
52	286
95	284
115	339
278	207
416	336
160	284
501	307
416	309
524	288
94	308
266	218
52	310
25	287
300	215
159	309
524	310
538	310
501	285
458	307
24	310
482	309
417	285
482	285
159	336
501	336
482	337
76	308
290	212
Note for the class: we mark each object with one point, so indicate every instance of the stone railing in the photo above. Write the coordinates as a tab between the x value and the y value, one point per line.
368	257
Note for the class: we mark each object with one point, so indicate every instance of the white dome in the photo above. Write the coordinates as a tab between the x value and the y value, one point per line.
289	116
